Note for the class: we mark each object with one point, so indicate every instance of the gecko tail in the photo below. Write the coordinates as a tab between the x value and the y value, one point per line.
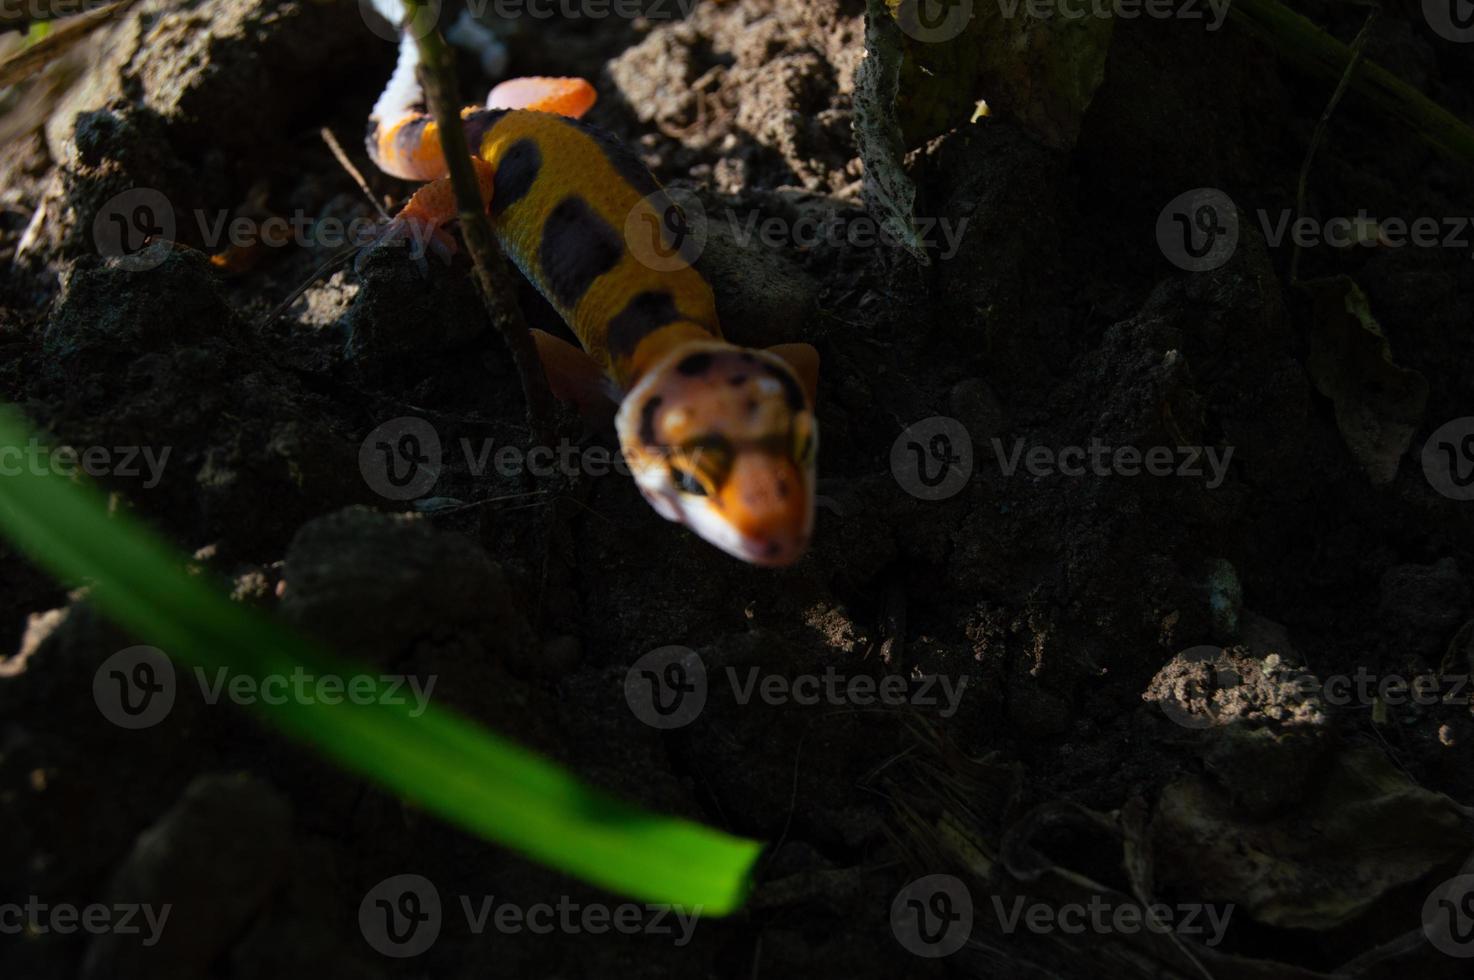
401	139
405	142
570	97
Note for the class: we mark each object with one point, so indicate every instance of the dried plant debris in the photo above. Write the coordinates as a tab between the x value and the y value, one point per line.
962	60
889	192
1379	403
1281	875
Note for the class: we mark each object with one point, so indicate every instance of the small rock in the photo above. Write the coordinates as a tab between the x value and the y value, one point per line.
373	584
561	654
974	403
1421	604
1268	639
1264	725
402	313
102	308
763	298
200	873
1035	712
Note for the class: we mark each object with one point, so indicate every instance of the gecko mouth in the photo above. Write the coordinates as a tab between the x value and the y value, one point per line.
775	552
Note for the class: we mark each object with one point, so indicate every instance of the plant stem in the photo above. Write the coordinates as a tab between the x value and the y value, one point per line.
1311	49
1357	47
498	292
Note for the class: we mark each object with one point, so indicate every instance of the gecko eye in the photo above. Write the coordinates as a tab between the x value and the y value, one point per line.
686	482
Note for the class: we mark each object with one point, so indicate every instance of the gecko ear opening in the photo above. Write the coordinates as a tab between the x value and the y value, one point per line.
804	360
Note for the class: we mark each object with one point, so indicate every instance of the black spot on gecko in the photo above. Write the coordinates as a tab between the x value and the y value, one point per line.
693	365
478	124
621	158
577	247
407	138
647	422
737	380
515	174
644	314
675	230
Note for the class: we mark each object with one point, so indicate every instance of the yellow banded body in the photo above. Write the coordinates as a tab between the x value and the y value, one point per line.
586	222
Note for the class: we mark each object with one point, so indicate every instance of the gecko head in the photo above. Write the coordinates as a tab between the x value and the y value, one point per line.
722	439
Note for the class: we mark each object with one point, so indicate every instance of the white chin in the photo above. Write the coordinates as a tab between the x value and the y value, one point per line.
711	528
706	525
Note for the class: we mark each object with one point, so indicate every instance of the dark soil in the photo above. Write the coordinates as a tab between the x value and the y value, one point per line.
1095	750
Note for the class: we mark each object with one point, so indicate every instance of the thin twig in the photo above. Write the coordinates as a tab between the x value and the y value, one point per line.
482	503
798	752
1357	46
1308	47
67	34
19	17
292	297
437	78
352	171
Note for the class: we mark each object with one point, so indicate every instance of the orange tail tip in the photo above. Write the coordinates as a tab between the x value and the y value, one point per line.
570	97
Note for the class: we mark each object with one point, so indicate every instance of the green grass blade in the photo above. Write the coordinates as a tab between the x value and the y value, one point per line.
439	760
